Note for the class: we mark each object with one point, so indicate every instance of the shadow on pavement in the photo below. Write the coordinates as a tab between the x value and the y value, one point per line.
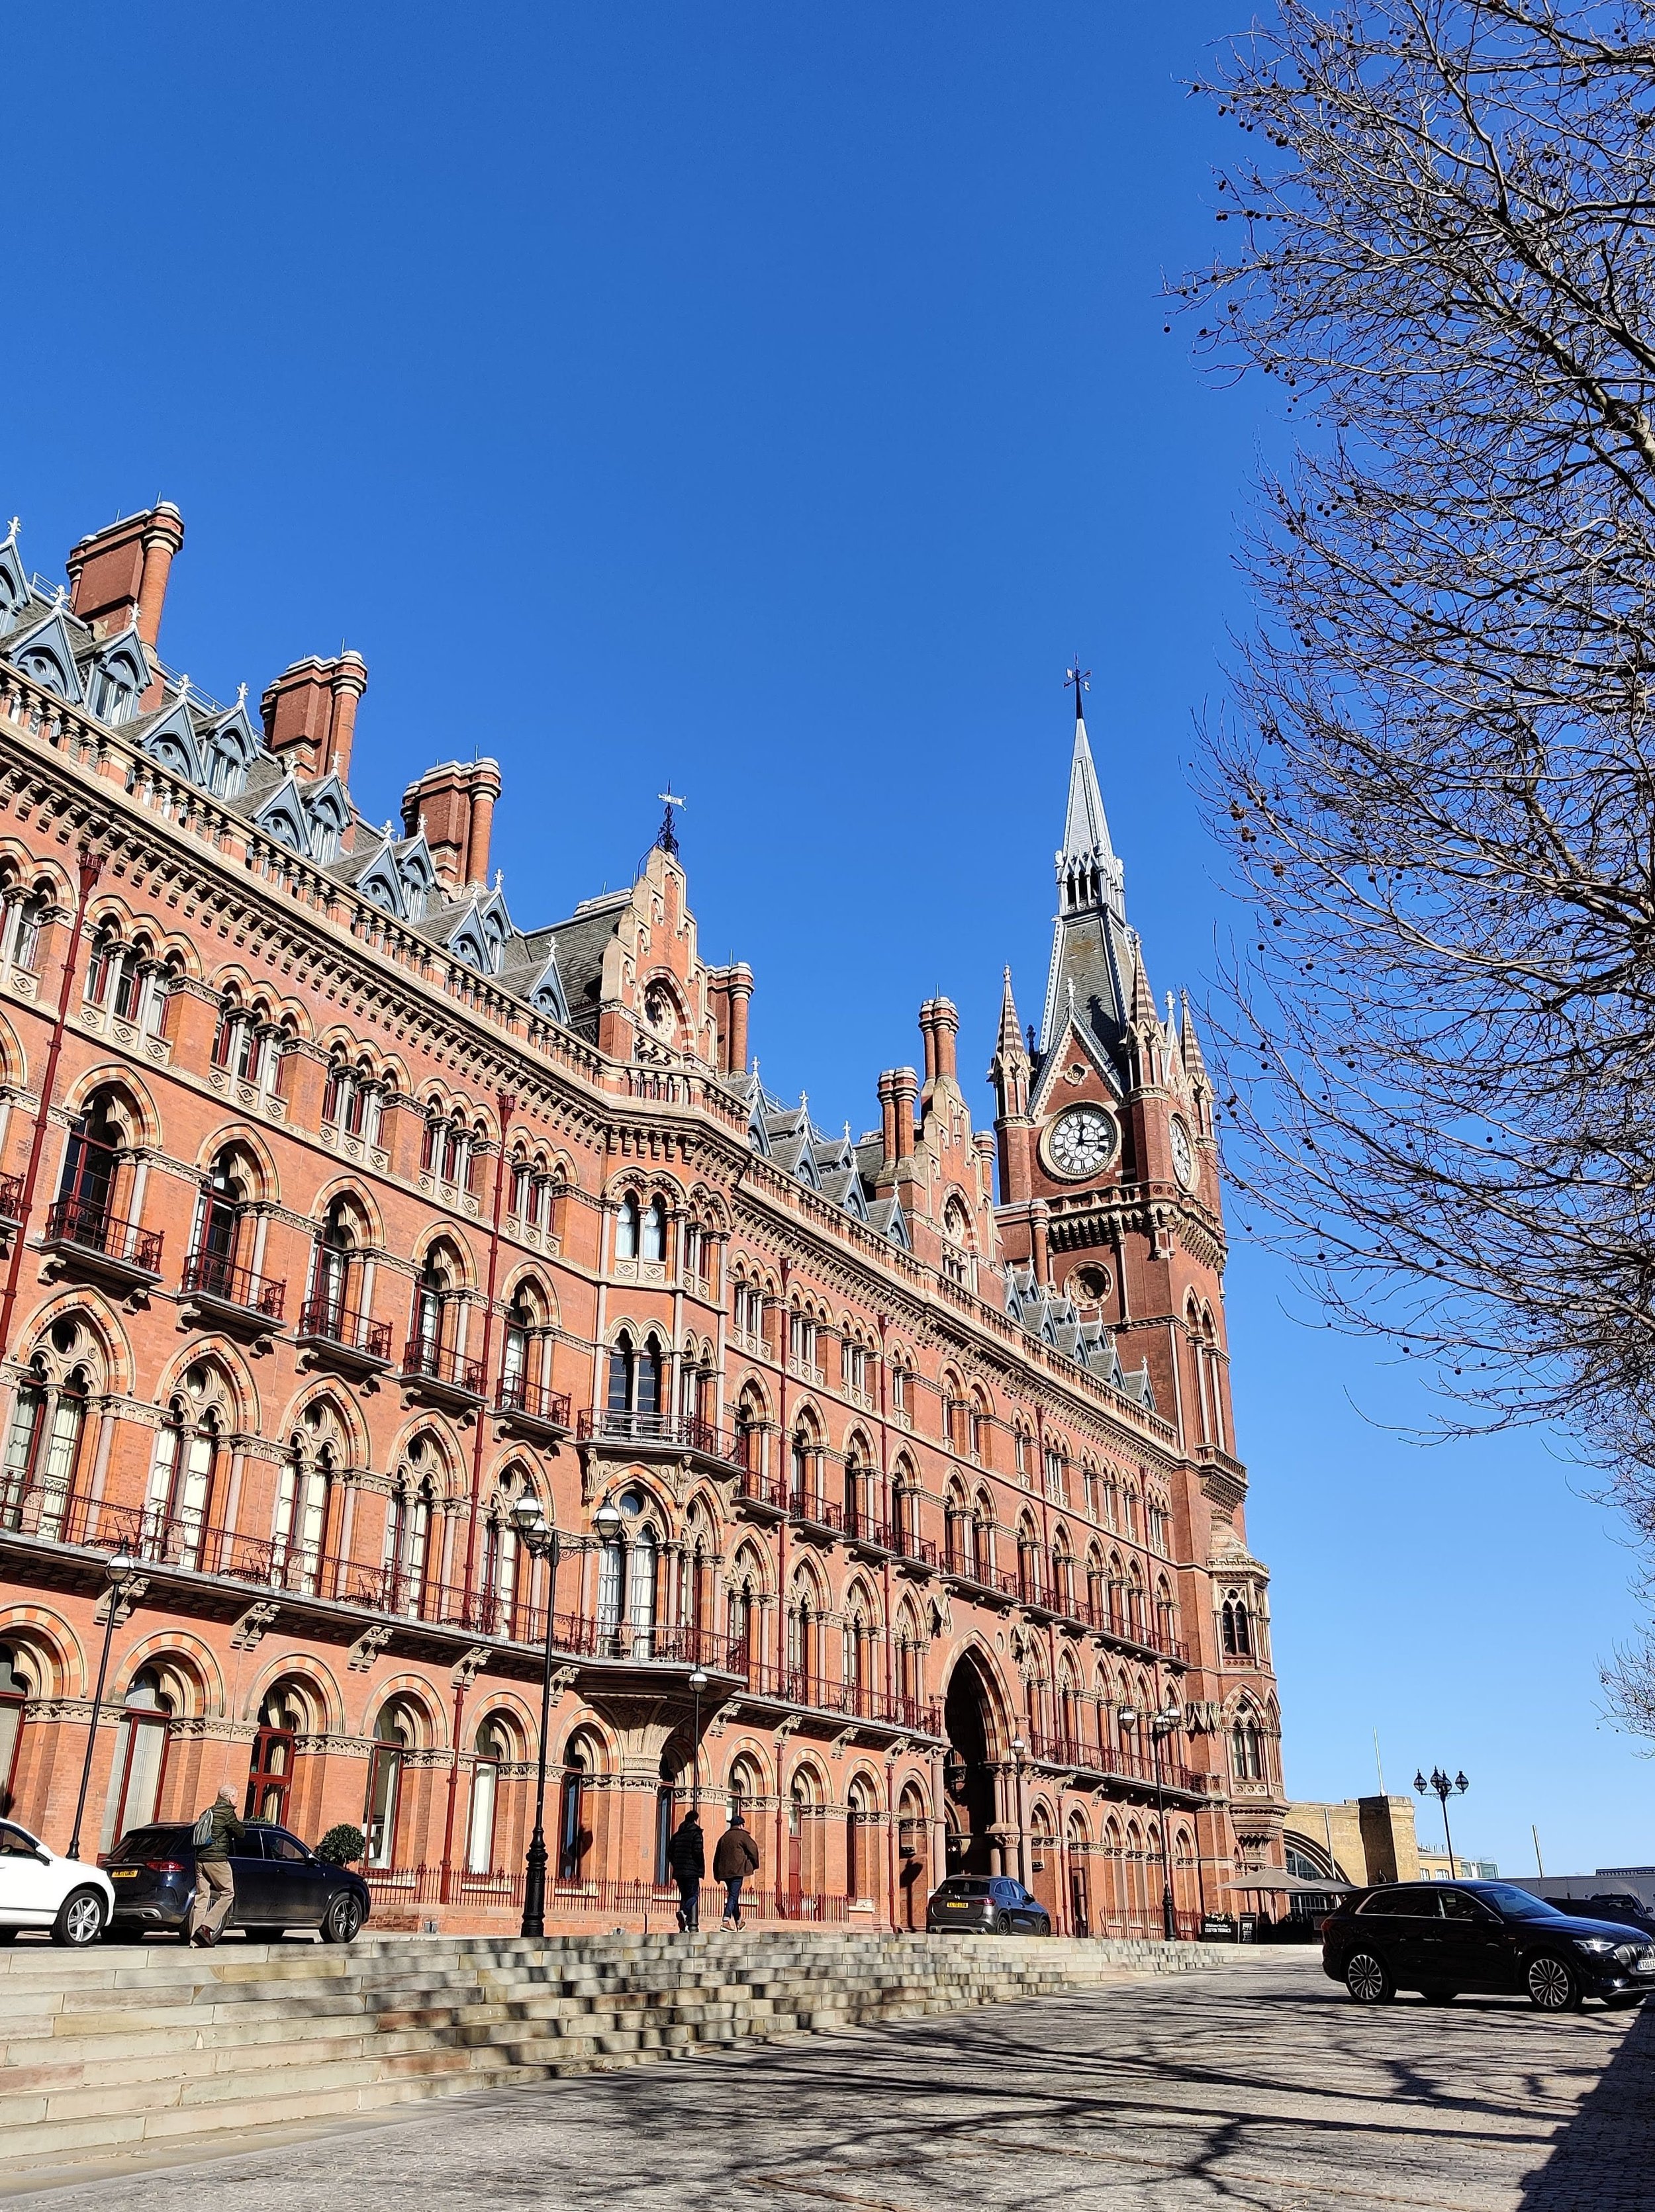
1606	2158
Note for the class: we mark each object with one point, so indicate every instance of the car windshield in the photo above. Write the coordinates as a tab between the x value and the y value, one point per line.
1516	1904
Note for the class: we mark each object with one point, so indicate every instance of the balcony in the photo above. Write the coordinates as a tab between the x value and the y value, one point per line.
438	1374
662	1433
762	1497
977	1577
916	1556
90	1241
532	1408
352	1343
233	1296
11	1199
797	1685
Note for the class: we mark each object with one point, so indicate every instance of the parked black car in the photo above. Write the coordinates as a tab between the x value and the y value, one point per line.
1627	1911
280	1883
987	1904
1440	1938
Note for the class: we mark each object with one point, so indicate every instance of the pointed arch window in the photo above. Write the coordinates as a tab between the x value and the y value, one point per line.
180	1493
653	1245
43	1451
627	1226
91	1160
302	1516
1238	1628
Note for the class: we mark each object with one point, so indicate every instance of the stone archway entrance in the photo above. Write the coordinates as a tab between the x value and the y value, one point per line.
974	1843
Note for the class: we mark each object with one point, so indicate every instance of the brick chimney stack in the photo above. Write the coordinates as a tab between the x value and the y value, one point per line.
927	1038
728	990
453	803
120	574
905	1092
310	712
944	1030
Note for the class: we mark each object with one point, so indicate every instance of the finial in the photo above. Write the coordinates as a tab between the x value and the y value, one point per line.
183	687
1070	981
847	1133
241	694
499	878
59	596
1030	1040
1079	679
667	836
16	525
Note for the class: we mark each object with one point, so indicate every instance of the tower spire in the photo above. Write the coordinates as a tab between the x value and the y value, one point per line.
1087	944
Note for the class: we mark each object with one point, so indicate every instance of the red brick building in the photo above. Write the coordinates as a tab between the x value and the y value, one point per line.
346	1220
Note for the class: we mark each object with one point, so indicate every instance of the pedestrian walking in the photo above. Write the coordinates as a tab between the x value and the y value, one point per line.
686	1855
215	1883
736	1857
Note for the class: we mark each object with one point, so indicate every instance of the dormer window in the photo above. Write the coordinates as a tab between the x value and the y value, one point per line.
114	701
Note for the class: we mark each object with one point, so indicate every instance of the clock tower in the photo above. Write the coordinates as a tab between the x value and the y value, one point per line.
1108	1167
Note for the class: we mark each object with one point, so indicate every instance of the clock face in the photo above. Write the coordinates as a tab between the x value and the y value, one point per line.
1081	1141
1184	1155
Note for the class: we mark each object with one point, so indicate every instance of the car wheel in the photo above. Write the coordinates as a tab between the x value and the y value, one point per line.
1440	1996
344	1917
1002	1923
1368	1978
80	1919
1552	1984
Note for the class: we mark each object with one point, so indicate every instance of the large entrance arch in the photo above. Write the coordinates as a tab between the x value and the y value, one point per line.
972	1808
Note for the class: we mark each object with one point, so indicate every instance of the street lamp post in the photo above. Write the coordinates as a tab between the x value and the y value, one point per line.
1019	1753
116	1570
697	1683
1444	1789
543	1541
1162	1724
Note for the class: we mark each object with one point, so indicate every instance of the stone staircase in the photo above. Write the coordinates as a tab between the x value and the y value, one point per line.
130	2047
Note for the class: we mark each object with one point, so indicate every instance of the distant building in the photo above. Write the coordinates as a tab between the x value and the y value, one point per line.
1358	1840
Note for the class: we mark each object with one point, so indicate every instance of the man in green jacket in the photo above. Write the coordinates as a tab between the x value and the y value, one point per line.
215	1882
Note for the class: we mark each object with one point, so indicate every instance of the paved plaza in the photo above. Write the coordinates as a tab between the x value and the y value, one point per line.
1258	2085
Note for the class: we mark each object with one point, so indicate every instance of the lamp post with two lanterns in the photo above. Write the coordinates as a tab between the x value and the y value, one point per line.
544	1542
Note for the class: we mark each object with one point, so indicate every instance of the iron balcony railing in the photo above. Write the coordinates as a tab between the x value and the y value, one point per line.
330	1322
685	1431
516	1394
81	1223
11	1198
215	1275
798	1686
438	1363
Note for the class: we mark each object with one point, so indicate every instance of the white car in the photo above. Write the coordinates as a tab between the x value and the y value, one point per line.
37	1889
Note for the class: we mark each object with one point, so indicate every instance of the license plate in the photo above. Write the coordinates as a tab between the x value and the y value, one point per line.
123	1874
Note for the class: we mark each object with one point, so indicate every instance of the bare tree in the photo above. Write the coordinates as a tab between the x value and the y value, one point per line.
1438	779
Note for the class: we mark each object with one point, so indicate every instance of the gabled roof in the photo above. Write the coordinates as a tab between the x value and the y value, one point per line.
48	642
169	736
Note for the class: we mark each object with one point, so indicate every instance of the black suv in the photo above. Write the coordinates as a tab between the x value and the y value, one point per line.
1442	1937
986	1903
280	1883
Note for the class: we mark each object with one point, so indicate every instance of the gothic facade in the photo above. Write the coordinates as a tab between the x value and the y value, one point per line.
358	1240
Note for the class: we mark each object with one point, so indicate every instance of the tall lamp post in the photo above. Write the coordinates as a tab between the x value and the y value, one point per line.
697	1683
544	1542
1161	1724
1442	1790
1019	1753
117	1570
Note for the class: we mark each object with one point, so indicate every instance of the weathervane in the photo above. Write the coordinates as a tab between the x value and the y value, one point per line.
1079	679
667	838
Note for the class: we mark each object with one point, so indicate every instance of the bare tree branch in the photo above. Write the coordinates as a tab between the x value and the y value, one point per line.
1439	776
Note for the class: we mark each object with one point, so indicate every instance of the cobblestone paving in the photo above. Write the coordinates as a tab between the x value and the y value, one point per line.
1257	2085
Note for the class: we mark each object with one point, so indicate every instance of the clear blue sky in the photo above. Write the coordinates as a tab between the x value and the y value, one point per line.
772	398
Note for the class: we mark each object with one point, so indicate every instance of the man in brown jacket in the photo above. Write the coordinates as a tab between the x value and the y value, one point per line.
736	1857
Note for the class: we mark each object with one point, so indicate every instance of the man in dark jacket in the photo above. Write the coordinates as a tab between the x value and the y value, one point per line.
215	1882
736	1857
686	1855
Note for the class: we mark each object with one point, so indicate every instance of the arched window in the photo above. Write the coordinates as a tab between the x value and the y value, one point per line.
302	1513
492	1752
750	1430
215	1235
393	1739
335	1277
408	1530
25	917
181	1485
628	1566
1237	1627
1247	1749
43	1449
433	1288
627	1228
87	1190
861	1858
140	1762
574	1837
634	1386
804	1472
17	1686
653	1243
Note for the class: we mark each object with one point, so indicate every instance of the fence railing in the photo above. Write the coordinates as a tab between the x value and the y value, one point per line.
331	1323
215	1275
78	1222
516	1394
440	1363
11	1198
797	1685
684	1431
